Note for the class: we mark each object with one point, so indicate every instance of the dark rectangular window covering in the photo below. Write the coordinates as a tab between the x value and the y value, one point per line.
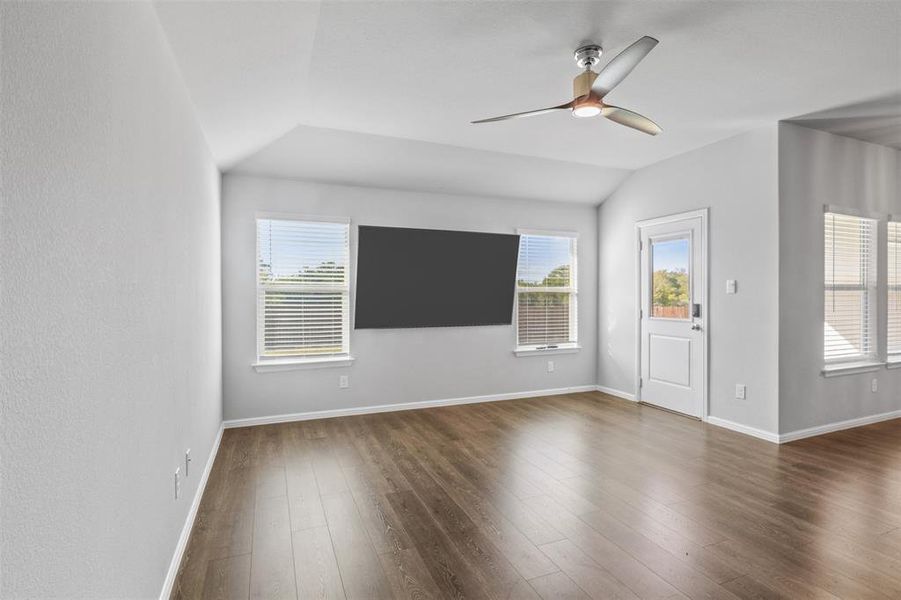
434	278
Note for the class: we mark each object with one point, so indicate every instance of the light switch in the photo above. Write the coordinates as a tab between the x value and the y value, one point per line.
731	286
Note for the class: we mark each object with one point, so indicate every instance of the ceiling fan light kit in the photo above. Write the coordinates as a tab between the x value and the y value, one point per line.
588	106
590	88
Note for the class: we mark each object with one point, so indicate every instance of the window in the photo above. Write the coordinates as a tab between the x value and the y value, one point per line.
850	289
302	289
546	292
894	291
671	279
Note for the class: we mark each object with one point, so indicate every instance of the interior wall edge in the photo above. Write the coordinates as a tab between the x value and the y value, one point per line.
768	436
726	177
615	392
838	426
800	434
185	535
818	168
111	312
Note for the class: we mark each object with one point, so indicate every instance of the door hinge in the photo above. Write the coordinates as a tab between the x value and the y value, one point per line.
640	245
641	313
641	382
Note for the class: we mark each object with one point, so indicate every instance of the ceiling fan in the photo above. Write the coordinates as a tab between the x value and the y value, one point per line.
590	88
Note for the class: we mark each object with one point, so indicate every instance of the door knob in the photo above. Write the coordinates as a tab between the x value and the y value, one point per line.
695	327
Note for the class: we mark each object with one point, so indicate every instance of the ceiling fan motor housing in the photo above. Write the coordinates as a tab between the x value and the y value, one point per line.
582	83
588	56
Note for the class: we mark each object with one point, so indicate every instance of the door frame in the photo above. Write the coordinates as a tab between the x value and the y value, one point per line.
704	292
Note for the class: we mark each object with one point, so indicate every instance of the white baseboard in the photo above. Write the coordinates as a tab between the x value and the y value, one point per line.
838	426
365	410
752	431
804	433
615	392
189	521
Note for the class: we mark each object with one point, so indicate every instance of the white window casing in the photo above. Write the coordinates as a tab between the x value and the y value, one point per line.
851	289
547	292
303	291
893	279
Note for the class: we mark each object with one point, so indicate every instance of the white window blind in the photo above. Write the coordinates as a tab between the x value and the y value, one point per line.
302	288
850	288
894	290
546	291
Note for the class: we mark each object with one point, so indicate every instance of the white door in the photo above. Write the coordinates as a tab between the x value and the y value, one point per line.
673	313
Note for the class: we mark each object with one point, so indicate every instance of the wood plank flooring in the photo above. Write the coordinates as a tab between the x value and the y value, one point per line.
576	496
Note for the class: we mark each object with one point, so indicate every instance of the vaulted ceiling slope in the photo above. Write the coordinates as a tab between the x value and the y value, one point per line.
345	157
877	120
420	71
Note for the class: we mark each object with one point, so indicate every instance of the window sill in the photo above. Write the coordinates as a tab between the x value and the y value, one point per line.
527	351
851	368
291	364
893	363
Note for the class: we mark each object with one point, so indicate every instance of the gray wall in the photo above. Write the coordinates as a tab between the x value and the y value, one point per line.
737	179
818	168
402	365
110	315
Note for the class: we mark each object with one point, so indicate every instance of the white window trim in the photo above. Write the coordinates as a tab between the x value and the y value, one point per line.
652	240
313	362
542	350
861	363
316	361
549	233
893	360
852	368
283	216
854	212
573	290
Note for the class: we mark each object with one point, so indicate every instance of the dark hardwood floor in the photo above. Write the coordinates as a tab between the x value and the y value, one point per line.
577	496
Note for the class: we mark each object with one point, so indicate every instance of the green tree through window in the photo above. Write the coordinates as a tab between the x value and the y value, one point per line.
670	299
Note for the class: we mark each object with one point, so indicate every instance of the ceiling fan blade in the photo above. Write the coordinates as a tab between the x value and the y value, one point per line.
528	113
621	65
630	119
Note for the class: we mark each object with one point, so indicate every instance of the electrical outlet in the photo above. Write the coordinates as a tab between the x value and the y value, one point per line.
187	462
343	382
177	483
741	391
874	385
550	366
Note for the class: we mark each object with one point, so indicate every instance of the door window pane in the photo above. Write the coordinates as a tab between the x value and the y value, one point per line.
670	282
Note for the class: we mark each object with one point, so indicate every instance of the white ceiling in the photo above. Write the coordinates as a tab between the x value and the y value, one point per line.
877	120
420	71
352	158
